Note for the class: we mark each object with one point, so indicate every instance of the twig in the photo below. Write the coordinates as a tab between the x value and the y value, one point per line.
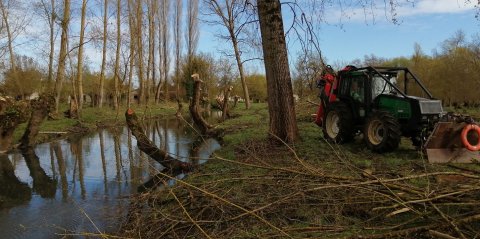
448	220
440	235
186	212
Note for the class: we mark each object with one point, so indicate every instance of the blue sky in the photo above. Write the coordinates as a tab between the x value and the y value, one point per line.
363	31
427	22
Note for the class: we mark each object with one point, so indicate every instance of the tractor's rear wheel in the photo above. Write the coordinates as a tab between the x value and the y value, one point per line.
382	132
338	123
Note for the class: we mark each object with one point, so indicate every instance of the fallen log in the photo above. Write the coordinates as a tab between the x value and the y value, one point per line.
146	145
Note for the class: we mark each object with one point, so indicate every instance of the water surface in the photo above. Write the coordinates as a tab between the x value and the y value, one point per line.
82	184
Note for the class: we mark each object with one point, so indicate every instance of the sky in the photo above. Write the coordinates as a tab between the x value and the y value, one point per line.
343	35
355	32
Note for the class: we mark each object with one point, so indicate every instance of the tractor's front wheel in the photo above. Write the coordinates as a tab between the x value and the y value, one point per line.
338	123
382	132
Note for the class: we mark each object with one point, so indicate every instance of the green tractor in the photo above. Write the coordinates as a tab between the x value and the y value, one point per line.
375	101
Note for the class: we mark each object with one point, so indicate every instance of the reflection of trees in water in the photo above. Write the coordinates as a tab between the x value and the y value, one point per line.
104	162
43	184
61	168
76	147
12	191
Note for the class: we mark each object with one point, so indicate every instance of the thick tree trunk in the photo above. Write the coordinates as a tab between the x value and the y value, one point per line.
194	107
246	95
165	45
146	145
80	60
104	55
116	78
151	47
40	107
139	41
52	44
63	54
281	106
133	39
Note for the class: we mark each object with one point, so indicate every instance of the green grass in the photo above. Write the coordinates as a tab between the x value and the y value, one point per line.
264	175
94	117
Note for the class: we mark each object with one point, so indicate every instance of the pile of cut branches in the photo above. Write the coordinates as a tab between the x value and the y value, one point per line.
269	191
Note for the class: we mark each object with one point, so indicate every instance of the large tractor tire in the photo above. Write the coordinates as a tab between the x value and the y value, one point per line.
382	132
338	123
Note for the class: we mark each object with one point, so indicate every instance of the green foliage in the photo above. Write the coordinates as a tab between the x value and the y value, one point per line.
257	87
201	64
25	80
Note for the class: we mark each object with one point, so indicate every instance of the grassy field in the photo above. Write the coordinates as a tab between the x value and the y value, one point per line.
311	189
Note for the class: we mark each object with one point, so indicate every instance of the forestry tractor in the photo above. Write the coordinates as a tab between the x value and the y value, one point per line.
379	102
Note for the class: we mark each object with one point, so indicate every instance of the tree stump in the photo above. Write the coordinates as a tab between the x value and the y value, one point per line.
147	146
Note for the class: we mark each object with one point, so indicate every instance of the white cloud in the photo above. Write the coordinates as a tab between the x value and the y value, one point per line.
436	6
379	10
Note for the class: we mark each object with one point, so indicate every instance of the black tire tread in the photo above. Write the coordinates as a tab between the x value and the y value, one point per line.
346	123
393	133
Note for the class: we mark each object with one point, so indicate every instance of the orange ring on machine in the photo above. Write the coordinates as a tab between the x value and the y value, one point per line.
464	134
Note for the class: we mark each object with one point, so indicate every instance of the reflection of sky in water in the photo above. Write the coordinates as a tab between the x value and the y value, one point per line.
88	184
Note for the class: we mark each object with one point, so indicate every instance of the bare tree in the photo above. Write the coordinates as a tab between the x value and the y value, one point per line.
80	59
165	42
63	53
234	18
151	14
49	11
116	77
281	108
133	39
104	54
177	33
192	27
139	49
6	23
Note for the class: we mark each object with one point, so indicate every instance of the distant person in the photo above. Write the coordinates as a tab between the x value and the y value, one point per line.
356	92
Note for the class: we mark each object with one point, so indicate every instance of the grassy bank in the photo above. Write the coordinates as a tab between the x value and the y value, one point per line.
92	118
312	189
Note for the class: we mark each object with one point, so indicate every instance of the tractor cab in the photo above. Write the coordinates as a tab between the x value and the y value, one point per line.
376	102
